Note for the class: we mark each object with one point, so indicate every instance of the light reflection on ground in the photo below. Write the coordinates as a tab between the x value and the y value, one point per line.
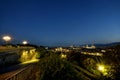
31	61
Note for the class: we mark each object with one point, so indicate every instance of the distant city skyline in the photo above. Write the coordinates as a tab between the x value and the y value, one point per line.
60	22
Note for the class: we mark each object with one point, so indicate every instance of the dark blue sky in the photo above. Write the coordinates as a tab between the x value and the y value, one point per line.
61	22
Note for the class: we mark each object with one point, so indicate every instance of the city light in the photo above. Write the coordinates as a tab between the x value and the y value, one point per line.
24	42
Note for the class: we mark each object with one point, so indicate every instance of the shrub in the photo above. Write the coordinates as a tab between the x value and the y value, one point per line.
55	68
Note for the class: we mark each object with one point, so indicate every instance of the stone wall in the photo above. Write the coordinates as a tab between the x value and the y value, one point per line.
9	55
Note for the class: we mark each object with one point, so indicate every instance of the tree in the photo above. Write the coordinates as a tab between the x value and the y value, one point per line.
55	68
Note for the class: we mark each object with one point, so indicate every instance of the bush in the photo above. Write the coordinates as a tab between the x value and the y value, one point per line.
55	68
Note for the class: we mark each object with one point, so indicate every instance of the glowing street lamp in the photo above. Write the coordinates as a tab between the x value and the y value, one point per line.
6	38
101	68
25	42
63	56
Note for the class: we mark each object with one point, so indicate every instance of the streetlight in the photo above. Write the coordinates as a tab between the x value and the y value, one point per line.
63	55
24	42
6	39
101	68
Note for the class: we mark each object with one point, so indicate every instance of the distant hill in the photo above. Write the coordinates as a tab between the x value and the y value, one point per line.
97	45
107	45
103	45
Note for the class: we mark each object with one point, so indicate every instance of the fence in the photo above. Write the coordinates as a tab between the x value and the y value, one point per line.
21	74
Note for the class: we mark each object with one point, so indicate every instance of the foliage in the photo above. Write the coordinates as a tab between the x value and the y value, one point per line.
55	68
74	57
40	52
89	63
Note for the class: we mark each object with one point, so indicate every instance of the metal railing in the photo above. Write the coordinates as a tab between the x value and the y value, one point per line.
22	74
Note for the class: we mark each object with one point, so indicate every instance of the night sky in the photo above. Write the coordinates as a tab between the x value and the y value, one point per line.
60	22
